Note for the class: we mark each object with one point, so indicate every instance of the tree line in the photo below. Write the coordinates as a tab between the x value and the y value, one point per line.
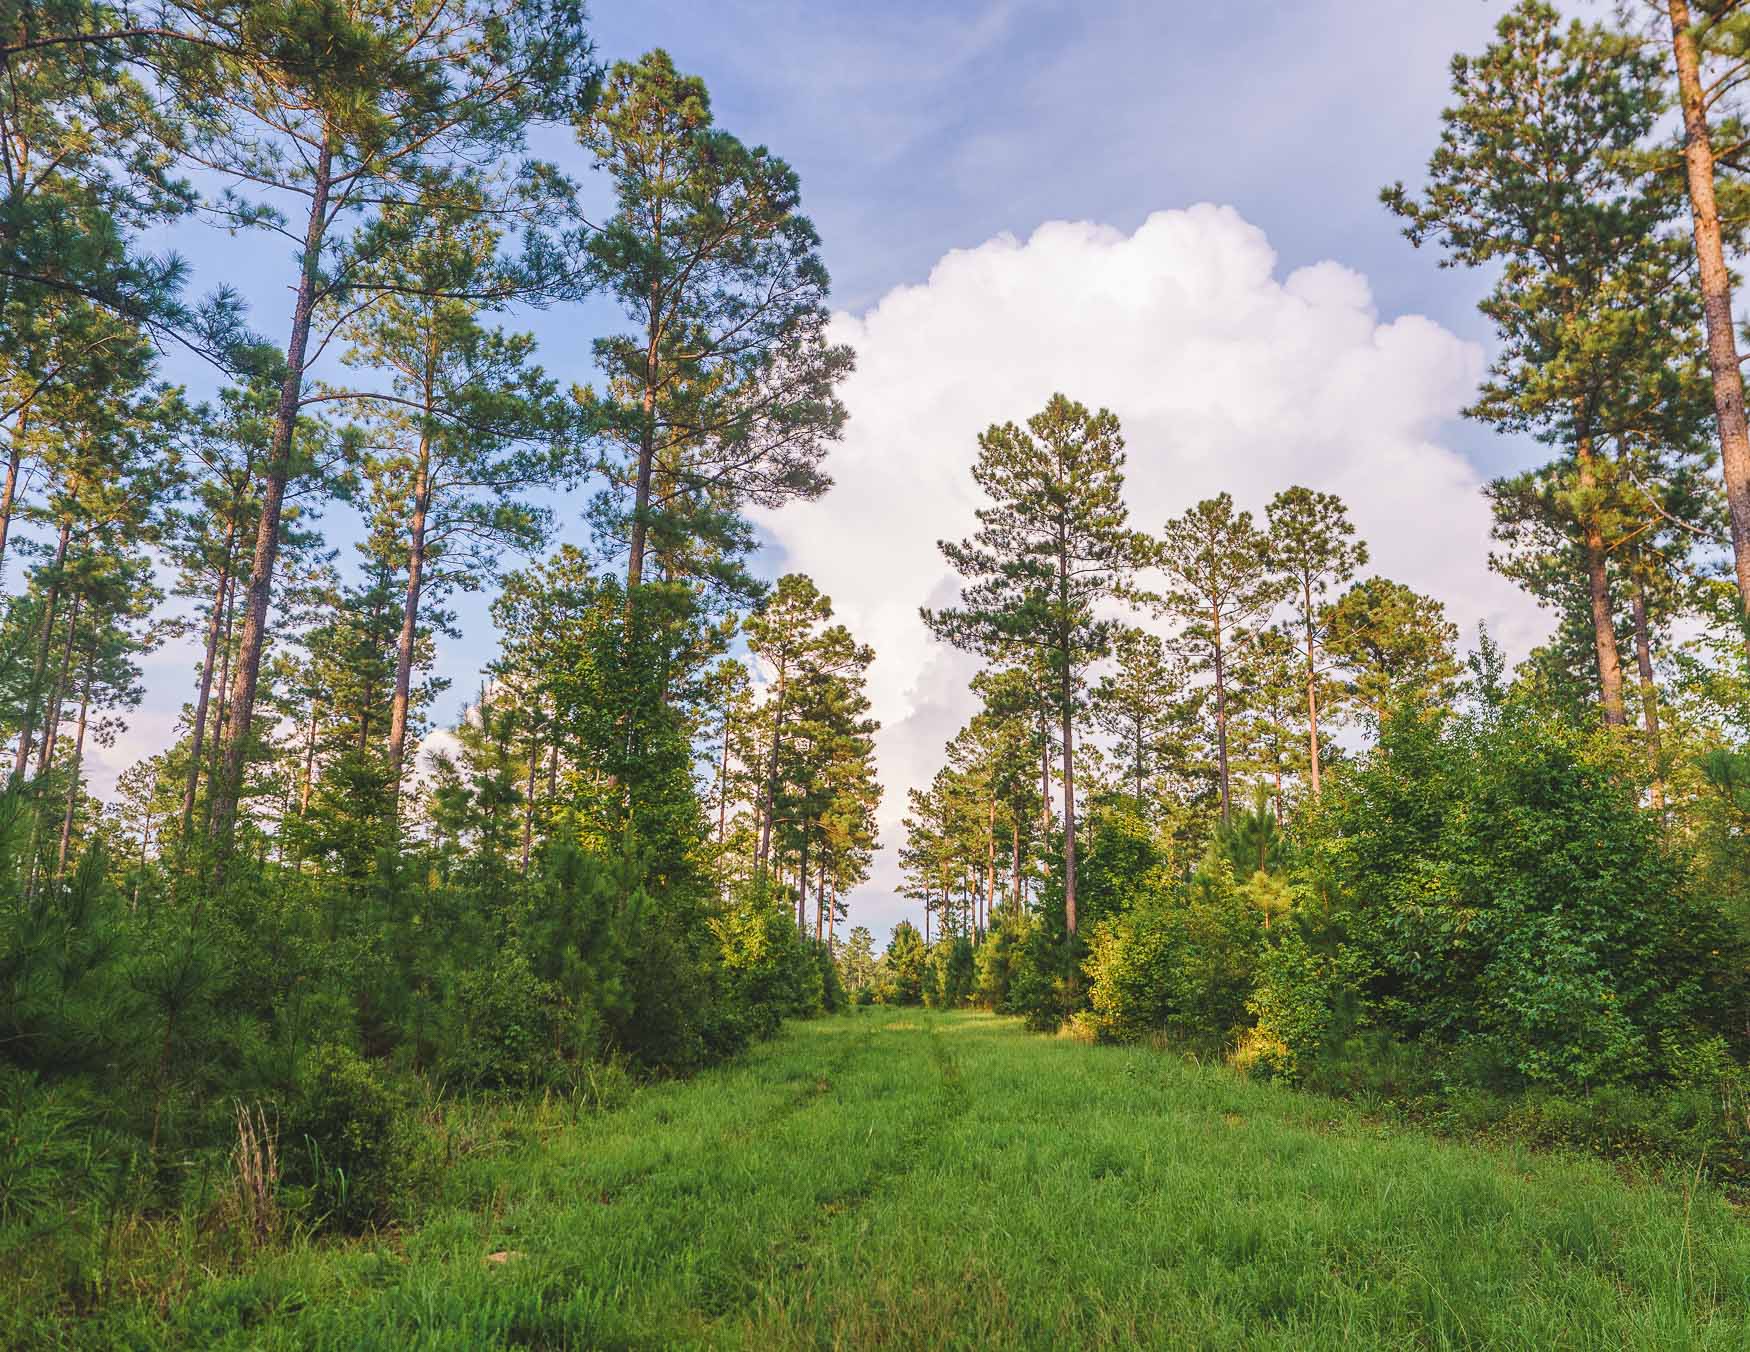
634	848
1227	787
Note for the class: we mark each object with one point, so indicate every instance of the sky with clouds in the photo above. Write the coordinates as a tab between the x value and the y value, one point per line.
1170	209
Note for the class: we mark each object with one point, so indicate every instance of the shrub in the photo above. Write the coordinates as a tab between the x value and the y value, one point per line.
504	1031
1291	1002
341	1140
1498	885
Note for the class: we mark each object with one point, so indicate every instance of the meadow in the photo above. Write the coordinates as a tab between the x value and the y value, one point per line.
914	1178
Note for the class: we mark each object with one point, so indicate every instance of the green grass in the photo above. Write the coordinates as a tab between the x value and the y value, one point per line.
907	1179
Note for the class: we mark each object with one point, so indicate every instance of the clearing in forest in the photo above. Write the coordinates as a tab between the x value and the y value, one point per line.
901	1178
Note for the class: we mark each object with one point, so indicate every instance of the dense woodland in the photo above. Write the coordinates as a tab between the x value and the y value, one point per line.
1226	788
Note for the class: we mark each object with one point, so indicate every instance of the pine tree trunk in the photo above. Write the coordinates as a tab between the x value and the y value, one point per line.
229	784
410	624
1015	884
309	760
802	883
529	805
73	775
722	803
1716	291
9	493
1649	695
820	902
1069	807
990	859
52	724
1598	586
203	696
1312	699
1221	724
769	791
27	730
217	753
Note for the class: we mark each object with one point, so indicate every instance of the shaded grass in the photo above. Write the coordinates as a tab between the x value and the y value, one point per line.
946	1180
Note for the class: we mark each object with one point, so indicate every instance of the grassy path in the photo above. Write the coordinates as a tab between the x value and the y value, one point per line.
906	1179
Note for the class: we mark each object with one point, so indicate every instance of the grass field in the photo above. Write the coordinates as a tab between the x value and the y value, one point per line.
912	1179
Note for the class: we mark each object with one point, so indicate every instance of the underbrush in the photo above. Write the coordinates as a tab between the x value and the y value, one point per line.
89	1220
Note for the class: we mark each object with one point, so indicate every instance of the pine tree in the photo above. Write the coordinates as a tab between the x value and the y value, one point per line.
1397	647
1537	173
1311	552
1217	565
723	395
366	116
1052	548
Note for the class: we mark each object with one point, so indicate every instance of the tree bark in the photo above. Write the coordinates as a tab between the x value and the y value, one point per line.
529	805
1716	291
770	791
1649	696
9	494
1069	808
1221	724
1015	884
1598	586
229	785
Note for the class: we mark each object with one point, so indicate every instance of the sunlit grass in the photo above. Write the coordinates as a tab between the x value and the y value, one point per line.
908	1179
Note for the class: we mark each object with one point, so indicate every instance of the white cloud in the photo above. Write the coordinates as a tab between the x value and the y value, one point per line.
1224	375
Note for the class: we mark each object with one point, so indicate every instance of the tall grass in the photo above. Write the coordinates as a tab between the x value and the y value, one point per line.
916	1179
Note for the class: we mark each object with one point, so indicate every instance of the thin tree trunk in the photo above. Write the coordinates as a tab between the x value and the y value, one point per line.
1015	885
1069	810
769	791
27	730
197	736
990	858
722	803
820	901
1312	699
1221	725
410	622
802	883
1716	290
73	777
9	494
217	753
229	784
1598	585
52	724
309	760
529	806
1649	695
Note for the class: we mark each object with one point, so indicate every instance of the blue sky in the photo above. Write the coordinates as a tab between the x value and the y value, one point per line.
921	129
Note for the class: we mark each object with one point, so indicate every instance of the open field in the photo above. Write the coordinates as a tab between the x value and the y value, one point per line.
900	1178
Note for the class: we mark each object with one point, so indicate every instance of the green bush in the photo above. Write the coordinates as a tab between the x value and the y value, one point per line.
1497	884
504	1025
1292	1005
341	1140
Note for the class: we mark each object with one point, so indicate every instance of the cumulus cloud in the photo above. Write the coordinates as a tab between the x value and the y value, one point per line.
1224	375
